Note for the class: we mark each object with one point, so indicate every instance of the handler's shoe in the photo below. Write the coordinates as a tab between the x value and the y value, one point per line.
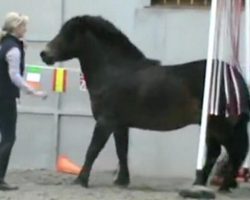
6	187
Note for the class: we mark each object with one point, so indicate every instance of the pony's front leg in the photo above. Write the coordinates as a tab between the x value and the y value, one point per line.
121	137
100	136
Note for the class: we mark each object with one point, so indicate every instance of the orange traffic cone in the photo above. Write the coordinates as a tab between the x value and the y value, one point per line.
65	165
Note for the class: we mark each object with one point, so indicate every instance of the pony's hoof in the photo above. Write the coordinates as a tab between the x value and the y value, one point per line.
234	184
122	182
199	179
81	181
223	189
227	185
85	184
76	182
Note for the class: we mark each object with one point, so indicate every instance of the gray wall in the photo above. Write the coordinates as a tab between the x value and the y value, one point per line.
63	124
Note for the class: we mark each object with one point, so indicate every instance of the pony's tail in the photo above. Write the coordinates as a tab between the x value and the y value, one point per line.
2	34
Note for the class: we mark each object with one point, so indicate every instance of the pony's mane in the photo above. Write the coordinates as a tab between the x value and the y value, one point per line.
105	30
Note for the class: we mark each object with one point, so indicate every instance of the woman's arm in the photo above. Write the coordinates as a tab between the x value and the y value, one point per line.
13	57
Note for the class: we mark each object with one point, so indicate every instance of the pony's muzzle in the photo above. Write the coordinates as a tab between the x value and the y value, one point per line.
49	60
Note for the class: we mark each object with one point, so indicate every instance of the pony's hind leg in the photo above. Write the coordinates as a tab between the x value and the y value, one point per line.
121	137
213	151
100	136
237	148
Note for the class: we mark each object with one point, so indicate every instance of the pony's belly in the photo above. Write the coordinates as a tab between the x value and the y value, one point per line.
165	119
163	123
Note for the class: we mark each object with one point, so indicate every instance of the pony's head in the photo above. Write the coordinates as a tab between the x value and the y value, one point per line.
70	40
65	45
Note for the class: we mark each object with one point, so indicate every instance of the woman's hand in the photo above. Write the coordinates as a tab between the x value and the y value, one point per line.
40	93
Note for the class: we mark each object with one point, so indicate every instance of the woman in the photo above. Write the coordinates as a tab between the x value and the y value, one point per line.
11	81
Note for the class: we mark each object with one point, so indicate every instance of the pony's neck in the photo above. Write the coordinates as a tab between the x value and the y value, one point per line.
114	49
92	70
92	60
120	51
97	56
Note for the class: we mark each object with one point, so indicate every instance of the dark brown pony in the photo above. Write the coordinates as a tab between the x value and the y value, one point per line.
129	90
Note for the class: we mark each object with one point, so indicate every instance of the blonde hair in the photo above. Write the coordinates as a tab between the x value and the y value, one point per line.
12	21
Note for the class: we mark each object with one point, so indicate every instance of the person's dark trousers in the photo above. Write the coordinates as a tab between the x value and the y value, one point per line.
8	116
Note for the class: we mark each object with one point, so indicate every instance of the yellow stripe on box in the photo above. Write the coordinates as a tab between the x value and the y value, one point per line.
59	80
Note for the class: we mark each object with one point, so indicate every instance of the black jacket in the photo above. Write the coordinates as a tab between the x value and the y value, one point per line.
7	89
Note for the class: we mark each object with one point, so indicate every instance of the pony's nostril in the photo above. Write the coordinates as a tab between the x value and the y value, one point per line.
42	54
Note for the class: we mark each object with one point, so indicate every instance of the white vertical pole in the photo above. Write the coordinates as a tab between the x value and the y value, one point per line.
247	58
205	108
247	27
